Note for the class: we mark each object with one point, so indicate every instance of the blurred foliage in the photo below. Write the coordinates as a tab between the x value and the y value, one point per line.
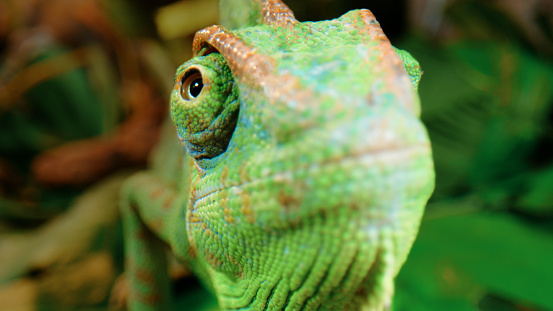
79	101
84	83
486	241
459	262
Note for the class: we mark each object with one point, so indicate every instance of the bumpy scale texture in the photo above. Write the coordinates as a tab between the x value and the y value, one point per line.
310	168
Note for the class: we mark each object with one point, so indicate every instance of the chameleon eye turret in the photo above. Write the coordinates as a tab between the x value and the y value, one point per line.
204	106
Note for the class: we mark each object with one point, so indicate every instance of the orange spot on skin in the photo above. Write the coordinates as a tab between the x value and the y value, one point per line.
204	227
224	205
287	200
244	177
190	217
224	175
240	274
212	260
224	199
156	193
246	208
168	202
228	218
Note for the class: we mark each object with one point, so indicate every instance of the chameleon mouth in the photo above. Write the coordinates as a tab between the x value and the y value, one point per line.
391	157
346	158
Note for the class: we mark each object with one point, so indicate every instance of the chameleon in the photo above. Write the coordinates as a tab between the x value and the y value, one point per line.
305	170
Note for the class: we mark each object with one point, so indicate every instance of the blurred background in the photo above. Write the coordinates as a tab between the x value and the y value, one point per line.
84	88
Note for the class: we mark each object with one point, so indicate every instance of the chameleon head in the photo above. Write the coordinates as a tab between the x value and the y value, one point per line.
312	167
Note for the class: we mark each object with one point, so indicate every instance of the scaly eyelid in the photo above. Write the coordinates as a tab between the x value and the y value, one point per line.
186	76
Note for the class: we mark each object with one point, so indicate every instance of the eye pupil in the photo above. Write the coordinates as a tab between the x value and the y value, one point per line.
196	87
191	84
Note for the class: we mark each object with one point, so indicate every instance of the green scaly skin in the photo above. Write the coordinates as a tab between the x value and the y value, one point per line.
309	169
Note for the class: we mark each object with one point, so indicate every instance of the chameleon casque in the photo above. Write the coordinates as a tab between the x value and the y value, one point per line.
306	174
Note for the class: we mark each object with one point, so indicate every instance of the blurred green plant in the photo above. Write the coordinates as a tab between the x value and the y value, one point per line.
79	100
486	241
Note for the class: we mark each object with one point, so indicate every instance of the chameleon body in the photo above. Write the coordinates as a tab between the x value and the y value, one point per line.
308	173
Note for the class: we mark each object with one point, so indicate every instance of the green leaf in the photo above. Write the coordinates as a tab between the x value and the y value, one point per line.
467	256
538	199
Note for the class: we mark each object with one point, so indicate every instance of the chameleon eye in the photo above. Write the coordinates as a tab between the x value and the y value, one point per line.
191	85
